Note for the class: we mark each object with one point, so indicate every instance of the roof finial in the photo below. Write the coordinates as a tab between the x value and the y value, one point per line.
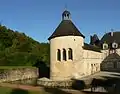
65	6
66	14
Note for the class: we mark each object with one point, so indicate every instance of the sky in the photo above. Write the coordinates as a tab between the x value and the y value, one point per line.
39	18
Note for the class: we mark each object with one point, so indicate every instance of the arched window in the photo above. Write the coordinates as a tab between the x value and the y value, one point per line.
70	54
58	55
64	54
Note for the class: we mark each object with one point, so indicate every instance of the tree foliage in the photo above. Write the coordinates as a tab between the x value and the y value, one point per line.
17	49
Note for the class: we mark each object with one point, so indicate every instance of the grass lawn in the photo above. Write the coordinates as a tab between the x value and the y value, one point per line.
6	90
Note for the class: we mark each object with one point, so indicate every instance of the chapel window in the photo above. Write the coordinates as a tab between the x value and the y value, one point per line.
58	55
70	54
64	55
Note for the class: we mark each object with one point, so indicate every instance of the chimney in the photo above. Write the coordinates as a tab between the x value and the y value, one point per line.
111	33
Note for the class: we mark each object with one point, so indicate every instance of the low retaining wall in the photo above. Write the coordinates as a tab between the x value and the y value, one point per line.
53	84
7	75
77	84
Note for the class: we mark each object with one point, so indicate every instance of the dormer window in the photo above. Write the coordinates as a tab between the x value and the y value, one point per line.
105	46
114	45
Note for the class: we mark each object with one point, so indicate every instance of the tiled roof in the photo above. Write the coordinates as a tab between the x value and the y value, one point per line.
66	28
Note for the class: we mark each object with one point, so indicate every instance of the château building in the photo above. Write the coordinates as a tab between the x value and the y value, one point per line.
71	57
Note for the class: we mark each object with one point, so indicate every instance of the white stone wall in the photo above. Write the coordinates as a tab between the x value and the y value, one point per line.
92	61
105	53
63	70
85	62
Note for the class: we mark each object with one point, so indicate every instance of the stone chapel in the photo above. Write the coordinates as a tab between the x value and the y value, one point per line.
71	57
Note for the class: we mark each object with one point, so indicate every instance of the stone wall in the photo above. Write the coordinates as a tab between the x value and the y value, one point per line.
7	75
92	61
54	84
74	83
66	69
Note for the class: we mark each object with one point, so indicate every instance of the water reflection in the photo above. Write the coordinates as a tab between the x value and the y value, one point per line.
30	81
19	91
107	85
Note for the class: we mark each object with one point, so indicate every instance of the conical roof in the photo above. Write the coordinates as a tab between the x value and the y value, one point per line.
66	28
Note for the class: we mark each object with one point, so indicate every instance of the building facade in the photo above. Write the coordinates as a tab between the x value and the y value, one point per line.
71	57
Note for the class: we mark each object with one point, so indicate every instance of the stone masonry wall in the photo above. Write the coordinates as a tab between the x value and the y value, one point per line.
66	69
53	84
92	61
7	75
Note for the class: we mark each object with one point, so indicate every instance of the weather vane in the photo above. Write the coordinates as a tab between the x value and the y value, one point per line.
65	6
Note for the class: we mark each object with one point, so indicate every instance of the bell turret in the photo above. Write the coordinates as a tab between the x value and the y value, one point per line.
66	15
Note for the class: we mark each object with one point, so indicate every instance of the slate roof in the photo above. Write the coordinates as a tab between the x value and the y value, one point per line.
94	40
66	28
110	39
91	47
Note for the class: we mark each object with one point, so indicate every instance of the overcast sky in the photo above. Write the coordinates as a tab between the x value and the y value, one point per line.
39	18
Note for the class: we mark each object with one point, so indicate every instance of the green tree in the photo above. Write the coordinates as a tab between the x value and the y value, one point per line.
18	49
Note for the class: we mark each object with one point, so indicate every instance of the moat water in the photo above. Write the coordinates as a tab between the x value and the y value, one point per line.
31	81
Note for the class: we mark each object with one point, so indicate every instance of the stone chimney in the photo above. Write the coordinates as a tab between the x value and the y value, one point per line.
111	33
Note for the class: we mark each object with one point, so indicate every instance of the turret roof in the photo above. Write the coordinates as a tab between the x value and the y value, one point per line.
66	28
